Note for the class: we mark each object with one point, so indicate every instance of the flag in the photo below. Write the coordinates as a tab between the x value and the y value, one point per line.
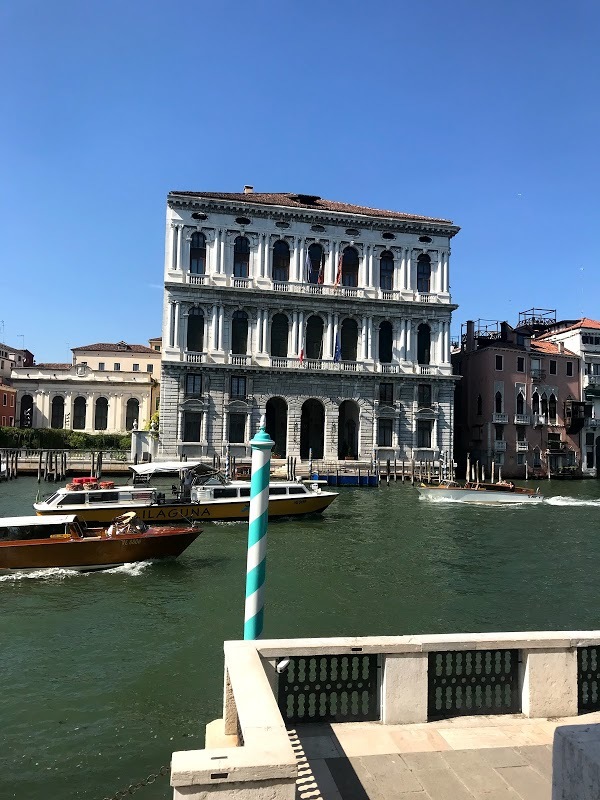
337	356
321	277
302	343
338	277
308	266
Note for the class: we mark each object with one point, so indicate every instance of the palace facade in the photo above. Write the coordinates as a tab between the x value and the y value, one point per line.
331	319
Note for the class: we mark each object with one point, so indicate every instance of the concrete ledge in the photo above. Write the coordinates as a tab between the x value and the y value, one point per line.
216	737
576	763
224	765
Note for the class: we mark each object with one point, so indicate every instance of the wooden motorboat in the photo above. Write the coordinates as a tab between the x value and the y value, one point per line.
32	543
502	492
203	494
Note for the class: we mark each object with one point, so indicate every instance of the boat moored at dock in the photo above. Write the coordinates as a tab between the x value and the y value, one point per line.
32	543
203	494
490	493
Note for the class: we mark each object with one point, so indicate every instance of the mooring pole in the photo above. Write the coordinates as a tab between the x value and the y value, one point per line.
261	445
227	462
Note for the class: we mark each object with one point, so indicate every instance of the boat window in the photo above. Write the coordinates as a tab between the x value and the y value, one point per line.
136	496
52	498
297	490
73	499
245	492
22	532
277	490
103	497
220	493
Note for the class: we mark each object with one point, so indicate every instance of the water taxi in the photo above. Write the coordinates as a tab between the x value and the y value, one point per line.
32	543
502	492
203	494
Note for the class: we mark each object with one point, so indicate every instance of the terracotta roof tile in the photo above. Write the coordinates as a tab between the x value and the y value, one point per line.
292	200
584	322
119	347
550	348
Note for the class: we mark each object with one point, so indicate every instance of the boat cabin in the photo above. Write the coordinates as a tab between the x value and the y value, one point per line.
24	528
241	490
121	497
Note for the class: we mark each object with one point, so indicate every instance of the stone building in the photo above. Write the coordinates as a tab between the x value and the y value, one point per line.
332	319
582	336
108	387
8	404
10	358
516	399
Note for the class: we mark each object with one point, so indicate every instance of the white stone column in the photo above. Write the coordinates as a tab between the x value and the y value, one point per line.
301	333
293	345
179	246
370	336
434	433
260	257
410	281
336	333
267	262
222	262
402	340
402	269
266	347
185	315
409	340
177	341
212	341
439	276
376	268
371	278
364	340
363	269
439	345
335	250
173	254
446	282
327	352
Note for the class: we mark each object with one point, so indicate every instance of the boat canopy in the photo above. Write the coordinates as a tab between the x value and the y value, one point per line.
171	466
54	519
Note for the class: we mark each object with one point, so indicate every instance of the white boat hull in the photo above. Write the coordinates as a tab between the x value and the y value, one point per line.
459	495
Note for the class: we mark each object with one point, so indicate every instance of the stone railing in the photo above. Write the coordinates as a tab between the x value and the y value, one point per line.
500	445
196	280
194	357
522	419
249	753
522	446
501	418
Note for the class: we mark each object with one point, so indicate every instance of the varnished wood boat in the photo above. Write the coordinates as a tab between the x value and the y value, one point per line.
32	543
489	493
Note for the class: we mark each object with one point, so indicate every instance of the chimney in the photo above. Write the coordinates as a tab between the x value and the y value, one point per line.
561	347
248	189
470	343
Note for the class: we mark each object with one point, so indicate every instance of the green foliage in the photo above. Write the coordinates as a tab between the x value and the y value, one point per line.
60	439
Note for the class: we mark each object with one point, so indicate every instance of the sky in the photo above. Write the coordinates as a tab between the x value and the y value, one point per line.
485	113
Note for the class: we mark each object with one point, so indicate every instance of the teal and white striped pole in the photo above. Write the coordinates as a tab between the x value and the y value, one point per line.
261	445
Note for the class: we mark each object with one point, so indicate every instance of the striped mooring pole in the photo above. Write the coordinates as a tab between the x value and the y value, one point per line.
261	445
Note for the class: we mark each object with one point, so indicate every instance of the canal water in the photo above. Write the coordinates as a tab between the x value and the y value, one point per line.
105	674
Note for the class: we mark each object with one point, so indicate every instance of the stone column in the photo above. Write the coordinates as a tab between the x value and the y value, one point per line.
177	342
370	336
301	333
185	314
293	345
371	278
410	281
222	263
328	333
409	340
266	347
363	269
402	348
174	239
336	331
260	255
267	263
364	340
179	246
439	344
446	282
220	327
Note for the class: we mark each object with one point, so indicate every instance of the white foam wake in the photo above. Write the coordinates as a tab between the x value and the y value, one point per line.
60	573
570	501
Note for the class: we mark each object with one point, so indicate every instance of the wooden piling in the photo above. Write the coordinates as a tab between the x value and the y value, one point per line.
395	470
412	471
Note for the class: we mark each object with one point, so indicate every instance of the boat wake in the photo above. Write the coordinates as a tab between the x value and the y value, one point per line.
60	573
570	501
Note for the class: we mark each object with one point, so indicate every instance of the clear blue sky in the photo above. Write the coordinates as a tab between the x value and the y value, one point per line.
483	112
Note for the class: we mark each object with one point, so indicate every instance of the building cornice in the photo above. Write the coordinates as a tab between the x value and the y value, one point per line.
335	218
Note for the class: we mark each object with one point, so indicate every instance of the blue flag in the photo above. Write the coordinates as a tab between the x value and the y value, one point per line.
337	356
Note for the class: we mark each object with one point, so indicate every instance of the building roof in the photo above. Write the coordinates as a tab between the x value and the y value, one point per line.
48	366
310	202
550	348
584	322
119	347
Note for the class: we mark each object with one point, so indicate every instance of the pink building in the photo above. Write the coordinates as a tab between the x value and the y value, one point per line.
7	406
512	401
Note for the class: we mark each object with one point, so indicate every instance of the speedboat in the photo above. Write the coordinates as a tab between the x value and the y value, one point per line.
32	543
502	492
203	494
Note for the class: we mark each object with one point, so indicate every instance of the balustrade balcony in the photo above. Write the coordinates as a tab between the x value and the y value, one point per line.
522	446
500	446
390	369
239	361
592	423
193	357
241	283
591	380
500	419
196	280
522	419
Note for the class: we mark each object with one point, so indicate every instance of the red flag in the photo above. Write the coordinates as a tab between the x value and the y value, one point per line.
338	277
321	276
302	355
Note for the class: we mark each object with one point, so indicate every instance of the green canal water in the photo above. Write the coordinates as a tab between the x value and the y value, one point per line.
105	674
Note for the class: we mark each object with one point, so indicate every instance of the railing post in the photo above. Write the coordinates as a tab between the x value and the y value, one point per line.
549	682
404	689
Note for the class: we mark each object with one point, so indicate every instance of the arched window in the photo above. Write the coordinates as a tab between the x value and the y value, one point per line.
544	406
239	333
241	257
57	419
385	342
552	409
349	343
195	331
498	403
198	254
281	262
314	338
535	403
26	411
315	265
350	267
520	403
101	414
132	413
424	344
423	274
386	270
479	405
79	413
279	336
